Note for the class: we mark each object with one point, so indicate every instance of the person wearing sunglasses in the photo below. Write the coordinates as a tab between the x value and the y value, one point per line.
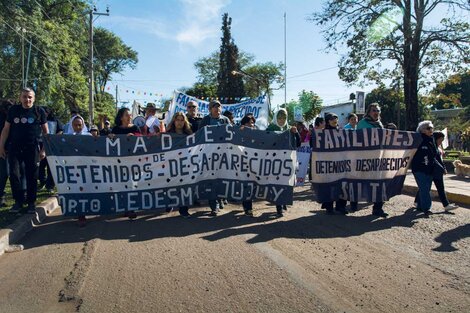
371	120
423	165
192	115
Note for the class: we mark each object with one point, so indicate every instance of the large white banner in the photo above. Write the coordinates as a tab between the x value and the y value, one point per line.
107	176
361	165
258	106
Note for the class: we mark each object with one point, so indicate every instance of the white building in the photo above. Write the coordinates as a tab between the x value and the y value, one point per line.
341	109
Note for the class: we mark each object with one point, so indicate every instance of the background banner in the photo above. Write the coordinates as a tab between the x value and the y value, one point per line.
363	165
108	176
303	158
258	106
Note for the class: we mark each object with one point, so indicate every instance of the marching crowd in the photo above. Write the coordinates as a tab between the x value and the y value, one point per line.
23	159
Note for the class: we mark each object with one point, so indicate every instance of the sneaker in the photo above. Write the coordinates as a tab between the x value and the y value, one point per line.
279	211
214	212
415	205
450	207
379	213
221	204
31	208
16	208
249	213
427	213
81	221
284	207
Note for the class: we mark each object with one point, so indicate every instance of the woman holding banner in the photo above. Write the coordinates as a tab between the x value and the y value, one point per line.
331	122
279	123
248	121
123	125
180	125
77	127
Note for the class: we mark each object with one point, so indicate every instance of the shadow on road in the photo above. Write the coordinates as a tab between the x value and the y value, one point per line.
263	228
448	237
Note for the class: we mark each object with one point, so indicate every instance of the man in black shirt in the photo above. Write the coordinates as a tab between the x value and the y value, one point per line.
193	118
23	129
106	130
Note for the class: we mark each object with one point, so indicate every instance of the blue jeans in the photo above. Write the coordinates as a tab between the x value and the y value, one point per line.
424	182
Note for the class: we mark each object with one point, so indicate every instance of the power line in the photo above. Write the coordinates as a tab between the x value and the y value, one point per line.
28	41
314	72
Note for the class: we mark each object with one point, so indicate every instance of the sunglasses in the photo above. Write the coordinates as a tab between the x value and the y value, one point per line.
429	128
376	111
191	107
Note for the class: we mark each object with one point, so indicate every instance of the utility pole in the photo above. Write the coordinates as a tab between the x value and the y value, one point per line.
116	98
285	58
22	59
91	78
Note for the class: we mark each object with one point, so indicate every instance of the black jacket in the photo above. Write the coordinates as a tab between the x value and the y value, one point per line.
425	157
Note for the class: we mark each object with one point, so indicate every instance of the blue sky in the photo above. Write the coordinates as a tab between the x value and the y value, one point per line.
170	35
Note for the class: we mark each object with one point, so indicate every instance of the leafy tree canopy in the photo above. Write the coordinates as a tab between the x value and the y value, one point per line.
401	32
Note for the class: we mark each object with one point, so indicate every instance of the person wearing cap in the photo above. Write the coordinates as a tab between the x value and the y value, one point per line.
192	115
106	130
152	123
214	118
94	131
372	120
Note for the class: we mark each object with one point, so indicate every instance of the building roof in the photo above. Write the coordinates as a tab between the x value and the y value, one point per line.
446	113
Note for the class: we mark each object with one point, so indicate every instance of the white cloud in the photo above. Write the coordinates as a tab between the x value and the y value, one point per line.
149	26
199	20
202	20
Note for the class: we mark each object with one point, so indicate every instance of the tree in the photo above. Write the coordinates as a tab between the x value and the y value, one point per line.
208	67
261	76
310	103
454	92
401	31
201	91
55	33
58	64
112	56
229	86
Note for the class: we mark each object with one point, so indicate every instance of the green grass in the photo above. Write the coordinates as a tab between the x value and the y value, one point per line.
7	218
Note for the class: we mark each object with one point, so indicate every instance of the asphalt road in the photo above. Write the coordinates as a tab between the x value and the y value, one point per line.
306	261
